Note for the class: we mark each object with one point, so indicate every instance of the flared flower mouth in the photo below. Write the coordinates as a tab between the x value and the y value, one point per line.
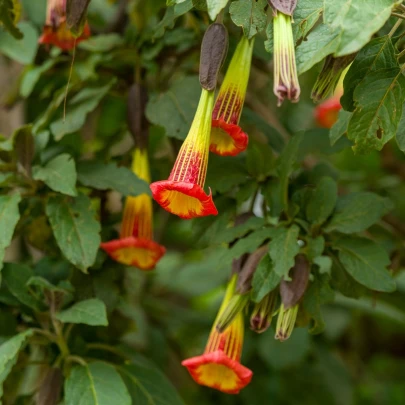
187	200
216	370
326	113
139	252
62	37
227	139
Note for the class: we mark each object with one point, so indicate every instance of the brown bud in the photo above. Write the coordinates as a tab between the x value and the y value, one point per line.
284	6
214	48
137	123
49	392
76	11
292	291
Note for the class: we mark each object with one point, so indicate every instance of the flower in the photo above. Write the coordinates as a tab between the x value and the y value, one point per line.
263	312
219	366
227	137
286	322
285	70
136	247
326	113
183	194
55	31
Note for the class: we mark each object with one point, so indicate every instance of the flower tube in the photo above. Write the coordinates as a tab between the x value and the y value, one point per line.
136	247
219	366
183	193
55	31
227	137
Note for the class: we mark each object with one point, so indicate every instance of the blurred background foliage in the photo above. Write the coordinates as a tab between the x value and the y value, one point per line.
165	316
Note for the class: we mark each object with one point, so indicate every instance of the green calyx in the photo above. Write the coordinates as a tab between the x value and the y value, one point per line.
286	322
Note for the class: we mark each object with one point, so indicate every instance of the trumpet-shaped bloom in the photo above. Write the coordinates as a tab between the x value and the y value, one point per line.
227	137
326	113
136	247
183	193
219	366
56	31
286	83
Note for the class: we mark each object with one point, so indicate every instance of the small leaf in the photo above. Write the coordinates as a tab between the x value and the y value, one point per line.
24	147
90	312
214	7
76	230
250	15
315	246
9	216
366	262
59	174
340	127
401	132
322	202
264	280
97	383
7	18
172	13
324	263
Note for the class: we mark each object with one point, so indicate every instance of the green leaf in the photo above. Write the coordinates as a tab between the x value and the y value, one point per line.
90	312
77	109
250	15
264	280
9	355
147	385
401	132
76	230
323	201
229	234
59	174
102	43
7	18
95	384
9	216
21	50
315	247
24	147
366	262
356	212
356	21
317	294
32	75
340	127
378	100
283	248
214	7
378	54
174	110
172	13
107	176
324	263
259	160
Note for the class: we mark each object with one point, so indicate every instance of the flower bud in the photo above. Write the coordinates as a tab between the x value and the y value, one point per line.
236	305
286	322
263	312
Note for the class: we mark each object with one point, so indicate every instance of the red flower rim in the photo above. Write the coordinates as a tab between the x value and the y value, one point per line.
156	251
326	113
192	190
66	43
243	374
240	138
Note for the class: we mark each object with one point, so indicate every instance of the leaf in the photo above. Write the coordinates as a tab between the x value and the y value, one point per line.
21	50
102	43
324	263
77	109
59	174
9	355
315	246
24	147
356	212
147	385
340	127
76	230
172	13
264	280
9	216
214	7
378	54
31	76
366	262
401	132
316	141
97	383
378	100
7	18
318	294
106	176
250	15
322	202
356	21
283	248
174	110
90	312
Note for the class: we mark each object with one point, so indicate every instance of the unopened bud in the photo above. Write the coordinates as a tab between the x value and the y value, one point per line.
235	306
263	312
286	322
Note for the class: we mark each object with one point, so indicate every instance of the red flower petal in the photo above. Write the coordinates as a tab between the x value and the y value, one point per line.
326	113
227	139
187	200
216	370
138	252
62	37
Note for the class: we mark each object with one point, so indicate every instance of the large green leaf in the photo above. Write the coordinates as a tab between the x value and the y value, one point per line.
59	174
356	21
322	202
76	230
107	176
90	312
401	132
9	216
214	7
9	354
95	384
264	280
366	262
250	15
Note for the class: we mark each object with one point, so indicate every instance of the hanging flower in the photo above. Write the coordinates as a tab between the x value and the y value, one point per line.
55	31
286	83
327	112
219	366
183	193
227	137
136	247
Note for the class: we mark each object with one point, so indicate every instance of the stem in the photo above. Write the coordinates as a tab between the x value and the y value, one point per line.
398	15
220	17
394	28
76	359
107	348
